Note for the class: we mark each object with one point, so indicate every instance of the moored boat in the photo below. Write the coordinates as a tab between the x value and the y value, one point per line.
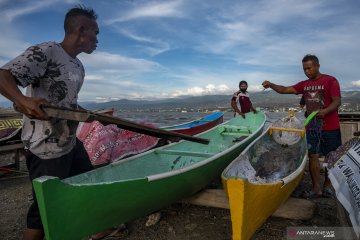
264	175
197	126
125	190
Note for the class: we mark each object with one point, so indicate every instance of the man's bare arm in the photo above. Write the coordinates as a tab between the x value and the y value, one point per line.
279	88
30	106
334	105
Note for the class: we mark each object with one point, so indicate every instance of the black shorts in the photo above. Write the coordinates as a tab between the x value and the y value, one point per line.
75	162
323	142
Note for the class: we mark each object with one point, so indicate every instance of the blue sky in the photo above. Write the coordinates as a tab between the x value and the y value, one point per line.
161	49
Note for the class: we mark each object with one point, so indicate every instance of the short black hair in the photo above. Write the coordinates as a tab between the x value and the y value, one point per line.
70	17
310	57
242	82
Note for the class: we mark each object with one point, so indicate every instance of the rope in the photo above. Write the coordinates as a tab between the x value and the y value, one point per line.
314	128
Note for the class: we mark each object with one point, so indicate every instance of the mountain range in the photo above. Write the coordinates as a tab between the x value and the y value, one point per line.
265	99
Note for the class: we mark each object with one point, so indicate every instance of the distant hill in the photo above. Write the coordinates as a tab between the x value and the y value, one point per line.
266	99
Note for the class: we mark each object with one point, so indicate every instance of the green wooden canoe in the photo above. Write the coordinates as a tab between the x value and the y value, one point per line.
134	187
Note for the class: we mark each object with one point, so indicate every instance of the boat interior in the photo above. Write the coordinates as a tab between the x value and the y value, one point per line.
176	156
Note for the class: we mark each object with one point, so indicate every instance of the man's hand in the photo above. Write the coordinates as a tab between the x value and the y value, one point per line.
255	111
266	84
242	114
31	107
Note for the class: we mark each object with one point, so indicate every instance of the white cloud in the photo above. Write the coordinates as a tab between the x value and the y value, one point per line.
28	7
171	48
93	77
356	83
198	91
113	63
167	9
158	46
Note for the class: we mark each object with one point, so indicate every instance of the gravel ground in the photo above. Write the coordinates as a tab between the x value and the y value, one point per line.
178	222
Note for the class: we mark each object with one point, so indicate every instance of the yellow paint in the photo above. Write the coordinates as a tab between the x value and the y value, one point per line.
251	204
291	113
302	132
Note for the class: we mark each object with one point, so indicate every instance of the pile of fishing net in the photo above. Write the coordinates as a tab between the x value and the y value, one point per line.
287	137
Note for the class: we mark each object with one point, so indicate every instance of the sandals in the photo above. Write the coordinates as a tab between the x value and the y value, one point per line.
328	192
310	195
111	234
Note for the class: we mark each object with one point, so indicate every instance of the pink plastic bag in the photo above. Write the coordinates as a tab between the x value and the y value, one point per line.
106	144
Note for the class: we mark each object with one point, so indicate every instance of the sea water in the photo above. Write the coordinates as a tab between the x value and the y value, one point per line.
169	118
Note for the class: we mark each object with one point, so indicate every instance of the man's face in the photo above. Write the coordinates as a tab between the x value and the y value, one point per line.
243	87
89	36
311	69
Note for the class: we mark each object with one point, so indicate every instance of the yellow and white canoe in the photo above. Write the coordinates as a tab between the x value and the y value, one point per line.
264	175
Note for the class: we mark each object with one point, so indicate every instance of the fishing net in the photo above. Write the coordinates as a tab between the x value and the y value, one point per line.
334	156
272	157
267	161
287	137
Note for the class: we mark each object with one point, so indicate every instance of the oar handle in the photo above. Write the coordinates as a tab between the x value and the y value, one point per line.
88	116
151	131
302	132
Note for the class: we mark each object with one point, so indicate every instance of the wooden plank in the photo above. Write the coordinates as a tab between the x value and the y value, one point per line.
9	114
209	198
296	208
293	208
349	116
88	116
6	148
347	130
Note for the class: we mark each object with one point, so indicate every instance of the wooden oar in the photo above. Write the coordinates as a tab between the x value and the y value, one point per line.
310	117
88	116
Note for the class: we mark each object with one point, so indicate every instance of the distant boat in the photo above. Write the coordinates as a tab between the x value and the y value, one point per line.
109	111
264	176
122	191
197	126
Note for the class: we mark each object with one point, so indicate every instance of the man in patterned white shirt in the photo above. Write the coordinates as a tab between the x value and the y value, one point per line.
52	74
240	100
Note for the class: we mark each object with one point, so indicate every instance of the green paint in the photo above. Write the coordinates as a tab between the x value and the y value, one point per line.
134	187
310	117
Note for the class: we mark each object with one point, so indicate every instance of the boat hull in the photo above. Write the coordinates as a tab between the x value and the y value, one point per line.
250	204
120	192
199	125
251	200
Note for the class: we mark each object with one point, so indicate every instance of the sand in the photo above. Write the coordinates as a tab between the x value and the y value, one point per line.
178	222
